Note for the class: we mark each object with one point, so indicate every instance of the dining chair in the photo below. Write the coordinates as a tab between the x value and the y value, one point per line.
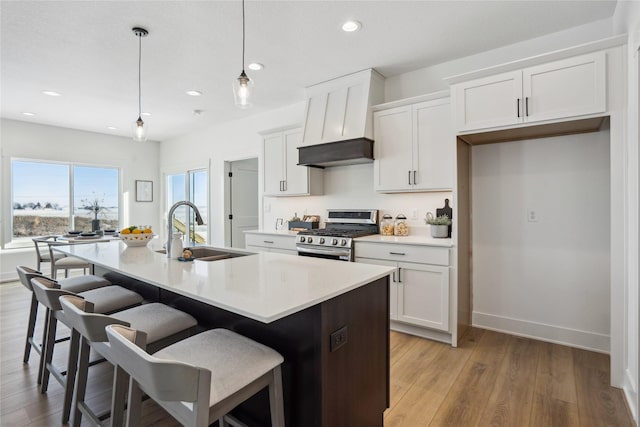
42	250
66	262
162	324
72	284
106	299
198	380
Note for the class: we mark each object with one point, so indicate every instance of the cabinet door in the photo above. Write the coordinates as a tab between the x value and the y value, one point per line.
296	180
434	146
489	102
423	295
571	87
393	284
393	149
273	164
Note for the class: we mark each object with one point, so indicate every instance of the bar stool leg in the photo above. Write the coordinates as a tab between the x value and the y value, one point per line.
120	385
47	355
276	403
33	314
45	334
134	403
72	366
81	381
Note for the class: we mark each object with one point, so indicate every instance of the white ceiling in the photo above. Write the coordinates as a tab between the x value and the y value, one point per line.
86	51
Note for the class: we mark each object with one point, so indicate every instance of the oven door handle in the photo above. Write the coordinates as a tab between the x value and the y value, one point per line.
333	252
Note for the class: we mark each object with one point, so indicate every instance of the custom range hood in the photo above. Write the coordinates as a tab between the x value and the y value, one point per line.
338	128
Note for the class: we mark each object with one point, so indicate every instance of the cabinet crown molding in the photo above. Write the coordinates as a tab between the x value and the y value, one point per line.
581	49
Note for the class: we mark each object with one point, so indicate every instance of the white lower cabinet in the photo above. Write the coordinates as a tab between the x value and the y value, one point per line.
419	291
264	242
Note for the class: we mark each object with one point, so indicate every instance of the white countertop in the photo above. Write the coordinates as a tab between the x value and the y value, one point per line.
421	240
263	286
274	232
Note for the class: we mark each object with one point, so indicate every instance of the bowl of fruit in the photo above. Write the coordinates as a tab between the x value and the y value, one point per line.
136	236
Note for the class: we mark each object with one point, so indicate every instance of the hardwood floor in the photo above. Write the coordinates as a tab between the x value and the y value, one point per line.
492	379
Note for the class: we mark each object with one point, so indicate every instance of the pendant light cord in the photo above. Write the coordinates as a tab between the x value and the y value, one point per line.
243	36
139	74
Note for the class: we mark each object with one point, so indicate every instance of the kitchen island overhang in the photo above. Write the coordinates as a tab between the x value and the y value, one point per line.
329	319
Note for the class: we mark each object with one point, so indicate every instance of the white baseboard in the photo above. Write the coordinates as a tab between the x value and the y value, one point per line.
8	277
543	332
421	332
631	394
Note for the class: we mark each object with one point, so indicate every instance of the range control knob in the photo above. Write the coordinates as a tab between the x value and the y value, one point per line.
343	242
334	242
322	240
309	240
302	239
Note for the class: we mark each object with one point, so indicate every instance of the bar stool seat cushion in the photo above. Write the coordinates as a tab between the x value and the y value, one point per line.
234	360
83	283
71	262
157	320
111	298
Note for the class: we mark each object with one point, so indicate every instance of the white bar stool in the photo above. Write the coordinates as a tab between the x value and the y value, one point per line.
72	284
198	380
163	325
107	299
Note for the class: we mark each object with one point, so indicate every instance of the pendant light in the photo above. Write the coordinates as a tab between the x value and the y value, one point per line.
139	130
243	84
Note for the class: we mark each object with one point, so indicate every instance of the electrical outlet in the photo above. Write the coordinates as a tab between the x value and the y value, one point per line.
532	215
339	338
267	207
414	213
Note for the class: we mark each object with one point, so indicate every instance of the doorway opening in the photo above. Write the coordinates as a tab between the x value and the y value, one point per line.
241	200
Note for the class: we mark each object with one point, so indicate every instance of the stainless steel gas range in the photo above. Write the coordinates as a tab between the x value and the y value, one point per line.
335	241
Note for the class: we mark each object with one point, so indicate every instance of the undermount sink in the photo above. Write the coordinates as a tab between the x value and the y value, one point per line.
203	253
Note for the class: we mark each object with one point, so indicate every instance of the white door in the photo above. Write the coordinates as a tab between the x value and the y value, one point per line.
243	203
434	145
273	164
423	295
393	283
392	168
296	179
571	87
489	102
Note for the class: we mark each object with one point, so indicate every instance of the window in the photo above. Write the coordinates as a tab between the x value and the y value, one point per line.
52	198
191	186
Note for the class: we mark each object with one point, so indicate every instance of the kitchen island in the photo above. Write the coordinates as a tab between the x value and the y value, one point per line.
329	319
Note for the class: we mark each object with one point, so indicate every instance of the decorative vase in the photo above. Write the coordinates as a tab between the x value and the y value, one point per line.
439	231
95	224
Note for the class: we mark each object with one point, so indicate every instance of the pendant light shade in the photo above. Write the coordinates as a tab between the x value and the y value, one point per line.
243	84
139	128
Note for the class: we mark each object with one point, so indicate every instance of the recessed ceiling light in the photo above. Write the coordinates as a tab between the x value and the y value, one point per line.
255	66
26	113
194	93
145	114
112	128
351	26
51	93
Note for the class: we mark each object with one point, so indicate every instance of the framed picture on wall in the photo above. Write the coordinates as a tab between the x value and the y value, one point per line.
144	191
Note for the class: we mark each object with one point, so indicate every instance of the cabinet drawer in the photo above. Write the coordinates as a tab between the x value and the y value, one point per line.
271	241
403	253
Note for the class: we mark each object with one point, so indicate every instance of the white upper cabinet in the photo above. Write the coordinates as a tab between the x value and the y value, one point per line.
554	91
414	147
282	175
339	109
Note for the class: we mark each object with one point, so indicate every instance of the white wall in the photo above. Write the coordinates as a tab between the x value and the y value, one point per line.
136	160
430	79
215	145
627	20
547	279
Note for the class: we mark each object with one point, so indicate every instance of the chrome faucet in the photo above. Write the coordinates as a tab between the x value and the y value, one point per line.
170	221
